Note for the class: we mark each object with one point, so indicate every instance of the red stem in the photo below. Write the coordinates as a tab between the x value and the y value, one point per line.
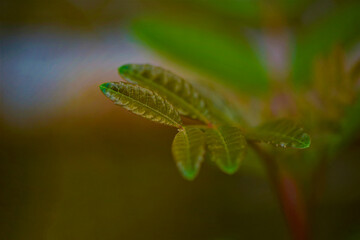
288	194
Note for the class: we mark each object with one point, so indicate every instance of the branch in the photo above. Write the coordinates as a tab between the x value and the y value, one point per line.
288	194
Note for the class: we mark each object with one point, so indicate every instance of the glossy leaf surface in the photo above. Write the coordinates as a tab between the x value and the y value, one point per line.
188	149
282	133
175	89
143	102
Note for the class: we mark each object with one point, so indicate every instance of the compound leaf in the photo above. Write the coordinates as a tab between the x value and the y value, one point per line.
143	102
227	147
281	133
175	89
188	149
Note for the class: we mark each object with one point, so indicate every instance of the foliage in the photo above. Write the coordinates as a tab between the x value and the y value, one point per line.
186	99
168	94
316	51
315	83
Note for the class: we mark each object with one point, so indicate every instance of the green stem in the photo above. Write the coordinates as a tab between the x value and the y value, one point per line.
287	193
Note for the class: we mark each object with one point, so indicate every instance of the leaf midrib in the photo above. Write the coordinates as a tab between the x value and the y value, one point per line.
188	145
286	137
154	110
194	110
225	145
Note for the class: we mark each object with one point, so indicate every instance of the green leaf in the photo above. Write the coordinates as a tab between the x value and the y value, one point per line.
188	149
281	133
175	89
232	60
252	11
143	102
227	147
340	26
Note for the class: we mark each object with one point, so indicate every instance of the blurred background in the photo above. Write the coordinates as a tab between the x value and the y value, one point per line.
75	166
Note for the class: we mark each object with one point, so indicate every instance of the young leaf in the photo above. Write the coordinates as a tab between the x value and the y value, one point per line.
227	147
143	102
281	133
175	89
188	149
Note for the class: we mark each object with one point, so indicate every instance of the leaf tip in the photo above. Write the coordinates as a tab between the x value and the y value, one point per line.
124	69
190	176
304	142
104	87
305	138
187	173
230	169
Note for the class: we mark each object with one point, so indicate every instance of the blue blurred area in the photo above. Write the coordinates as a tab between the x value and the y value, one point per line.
43	68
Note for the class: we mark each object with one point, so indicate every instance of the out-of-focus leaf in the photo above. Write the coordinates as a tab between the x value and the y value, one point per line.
252	11
227	147
143	102
281	133
233	61
341	26
175	89
188	149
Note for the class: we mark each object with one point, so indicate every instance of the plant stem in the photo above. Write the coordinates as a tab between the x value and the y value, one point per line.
287	193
